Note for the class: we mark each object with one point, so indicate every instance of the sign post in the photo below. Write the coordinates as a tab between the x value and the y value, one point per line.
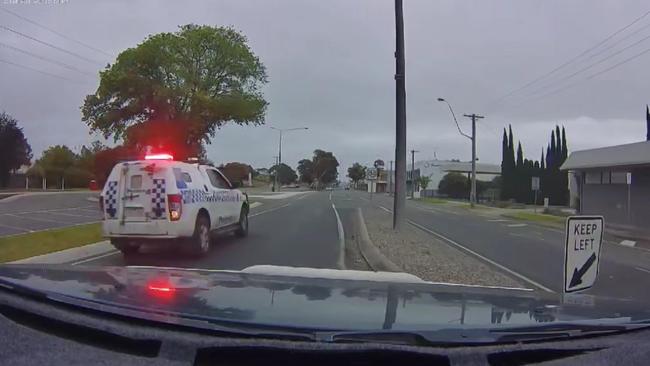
584	235
371	175
535	187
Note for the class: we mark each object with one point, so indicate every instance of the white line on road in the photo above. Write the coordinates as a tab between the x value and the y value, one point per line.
628	243
35	219
341	260
385	209
330	196
498	220
95	257
516	225
302	196
518	275
267	211
642	269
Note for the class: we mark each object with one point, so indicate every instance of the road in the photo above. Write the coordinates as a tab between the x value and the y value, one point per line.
528	251
41	211
299	231
303	231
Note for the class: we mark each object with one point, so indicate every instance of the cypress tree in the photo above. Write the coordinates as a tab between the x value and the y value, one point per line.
520	175
505	165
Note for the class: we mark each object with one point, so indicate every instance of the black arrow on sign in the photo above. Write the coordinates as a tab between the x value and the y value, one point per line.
576	279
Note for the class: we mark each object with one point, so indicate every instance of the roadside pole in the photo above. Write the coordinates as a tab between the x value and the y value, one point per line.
472	195
399	201
413	173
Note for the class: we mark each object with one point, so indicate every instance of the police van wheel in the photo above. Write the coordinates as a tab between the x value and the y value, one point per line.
242	227
125	247
201	237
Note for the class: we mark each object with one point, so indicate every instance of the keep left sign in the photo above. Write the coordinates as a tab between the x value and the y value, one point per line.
584	237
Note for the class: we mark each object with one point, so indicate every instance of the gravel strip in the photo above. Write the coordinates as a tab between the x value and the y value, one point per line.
427	257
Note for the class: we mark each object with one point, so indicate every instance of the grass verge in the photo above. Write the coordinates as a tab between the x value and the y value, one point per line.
42	242
549	220
433	201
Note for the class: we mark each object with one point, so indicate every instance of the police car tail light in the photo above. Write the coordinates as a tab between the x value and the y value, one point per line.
158	157
175	206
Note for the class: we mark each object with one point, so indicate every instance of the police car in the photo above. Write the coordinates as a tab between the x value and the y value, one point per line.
159	199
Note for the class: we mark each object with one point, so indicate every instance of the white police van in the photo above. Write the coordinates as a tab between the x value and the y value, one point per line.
158	199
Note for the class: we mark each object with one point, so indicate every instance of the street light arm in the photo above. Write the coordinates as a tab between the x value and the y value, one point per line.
455	120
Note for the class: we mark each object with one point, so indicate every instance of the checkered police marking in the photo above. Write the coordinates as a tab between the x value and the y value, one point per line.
158	195
110	200
197	195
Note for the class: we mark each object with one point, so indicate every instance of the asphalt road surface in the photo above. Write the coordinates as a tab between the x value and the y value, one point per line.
530	252
298	231
42	211
303	231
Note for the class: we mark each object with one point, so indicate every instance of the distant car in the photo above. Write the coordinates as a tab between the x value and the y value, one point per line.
161	200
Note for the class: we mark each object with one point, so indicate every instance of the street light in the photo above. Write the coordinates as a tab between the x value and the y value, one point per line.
280	148
472	195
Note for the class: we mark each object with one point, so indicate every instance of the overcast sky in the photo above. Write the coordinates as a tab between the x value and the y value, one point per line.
331	67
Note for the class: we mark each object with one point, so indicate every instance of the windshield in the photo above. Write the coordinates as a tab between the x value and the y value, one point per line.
496	152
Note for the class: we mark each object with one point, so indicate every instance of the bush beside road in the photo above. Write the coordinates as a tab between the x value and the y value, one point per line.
28	245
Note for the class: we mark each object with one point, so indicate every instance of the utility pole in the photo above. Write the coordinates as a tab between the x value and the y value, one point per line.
390	178
280	143
472	195
275	178
413	173
399	201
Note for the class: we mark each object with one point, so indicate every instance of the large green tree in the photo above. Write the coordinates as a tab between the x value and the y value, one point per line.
356	173
285	174
306	170
14	149
325	166
174	90
57	162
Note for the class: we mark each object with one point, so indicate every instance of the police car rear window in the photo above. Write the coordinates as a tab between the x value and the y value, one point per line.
187	177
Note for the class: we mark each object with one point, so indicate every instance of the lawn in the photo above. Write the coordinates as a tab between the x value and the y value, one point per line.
433	201
28	245
550	220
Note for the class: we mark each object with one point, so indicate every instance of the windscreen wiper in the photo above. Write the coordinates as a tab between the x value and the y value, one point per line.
481	336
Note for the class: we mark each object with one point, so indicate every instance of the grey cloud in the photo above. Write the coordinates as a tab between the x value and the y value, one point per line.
331	68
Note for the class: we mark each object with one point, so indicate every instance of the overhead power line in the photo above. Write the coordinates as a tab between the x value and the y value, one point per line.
556	91
49	45
561	66
39	71
62	64
536	91
55	32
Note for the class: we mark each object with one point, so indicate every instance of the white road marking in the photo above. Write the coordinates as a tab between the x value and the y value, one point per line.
498	220
341	260
642	269
385	209
302	196
35	219
504	268
516	225
255	204
95	258
330	196
628	243
267	211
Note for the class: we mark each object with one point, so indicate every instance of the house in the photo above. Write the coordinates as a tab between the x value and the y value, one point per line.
437	169
612	181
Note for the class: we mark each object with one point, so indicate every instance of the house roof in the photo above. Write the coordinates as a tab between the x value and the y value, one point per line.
627	155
